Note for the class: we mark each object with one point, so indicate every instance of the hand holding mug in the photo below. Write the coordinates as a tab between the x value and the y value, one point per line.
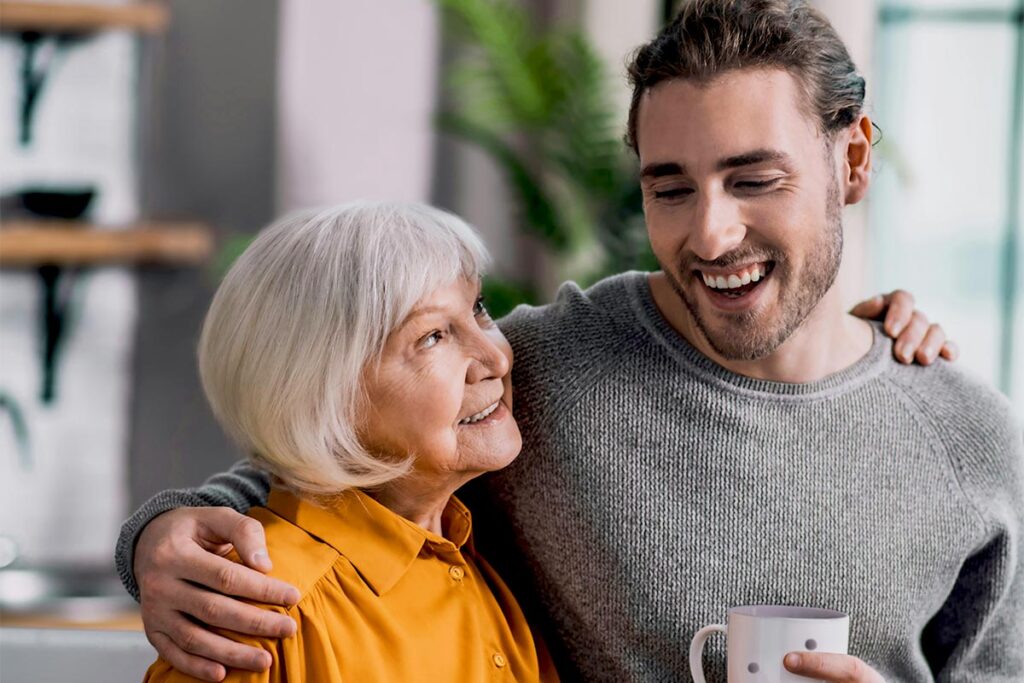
831	667
775	644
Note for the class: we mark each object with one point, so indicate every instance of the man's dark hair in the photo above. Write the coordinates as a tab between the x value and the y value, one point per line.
709	38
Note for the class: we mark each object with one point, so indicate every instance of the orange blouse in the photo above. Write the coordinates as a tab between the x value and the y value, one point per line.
383	599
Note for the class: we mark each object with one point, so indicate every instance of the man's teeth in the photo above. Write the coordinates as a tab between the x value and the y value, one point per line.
735	280
481	415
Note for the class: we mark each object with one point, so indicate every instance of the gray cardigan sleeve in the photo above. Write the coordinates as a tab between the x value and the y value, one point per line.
240	488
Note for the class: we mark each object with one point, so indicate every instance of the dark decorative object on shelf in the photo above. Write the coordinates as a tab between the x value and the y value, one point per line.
69	203
11	407
64	203
33	75
40	51
53	203
57	287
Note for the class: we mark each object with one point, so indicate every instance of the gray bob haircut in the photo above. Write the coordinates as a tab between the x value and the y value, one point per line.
299	316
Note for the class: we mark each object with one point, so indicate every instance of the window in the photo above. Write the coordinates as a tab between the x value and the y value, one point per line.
946	214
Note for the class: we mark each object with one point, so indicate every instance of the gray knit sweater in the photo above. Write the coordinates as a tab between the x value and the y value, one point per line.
656	489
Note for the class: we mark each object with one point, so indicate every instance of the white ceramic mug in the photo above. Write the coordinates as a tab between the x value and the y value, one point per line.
758	637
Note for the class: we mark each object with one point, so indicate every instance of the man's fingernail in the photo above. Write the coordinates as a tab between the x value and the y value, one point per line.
261	559
792	660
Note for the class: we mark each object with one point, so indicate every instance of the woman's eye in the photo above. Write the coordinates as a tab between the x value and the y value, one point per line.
479	308
431	339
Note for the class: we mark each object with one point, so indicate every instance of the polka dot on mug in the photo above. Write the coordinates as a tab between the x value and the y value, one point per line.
811	644
753	667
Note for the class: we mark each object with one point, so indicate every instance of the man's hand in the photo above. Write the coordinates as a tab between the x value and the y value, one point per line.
916	339
824	666
184	584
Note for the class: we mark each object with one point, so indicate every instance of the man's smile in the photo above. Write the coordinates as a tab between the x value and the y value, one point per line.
732	288
736	277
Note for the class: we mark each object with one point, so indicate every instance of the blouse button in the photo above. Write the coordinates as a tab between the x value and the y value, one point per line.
456	572
499	660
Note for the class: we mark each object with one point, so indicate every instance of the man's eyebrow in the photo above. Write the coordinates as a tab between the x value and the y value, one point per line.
758	156
658	170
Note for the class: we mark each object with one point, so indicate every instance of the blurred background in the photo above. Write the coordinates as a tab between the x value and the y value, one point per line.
142	144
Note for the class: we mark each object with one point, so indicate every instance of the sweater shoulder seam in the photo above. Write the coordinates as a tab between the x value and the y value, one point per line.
922	414
584	383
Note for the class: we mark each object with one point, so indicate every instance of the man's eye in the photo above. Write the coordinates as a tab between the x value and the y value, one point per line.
673	193
755	185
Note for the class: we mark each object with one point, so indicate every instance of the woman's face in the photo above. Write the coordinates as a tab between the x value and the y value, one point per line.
443	389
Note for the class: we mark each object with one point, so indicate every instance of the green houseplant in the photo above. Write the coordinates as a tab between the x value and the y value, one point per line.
537	103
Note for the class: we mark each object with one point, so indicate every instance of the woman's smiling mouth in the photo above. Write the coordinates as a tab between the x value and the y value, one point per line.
482	415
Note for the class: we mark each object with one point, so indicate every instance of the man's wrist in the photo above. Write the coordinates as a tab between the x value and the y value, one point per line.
132	528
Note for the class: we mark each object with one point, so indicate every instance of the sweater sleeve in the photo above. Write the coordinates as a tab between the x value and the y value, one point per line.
978	634
240	488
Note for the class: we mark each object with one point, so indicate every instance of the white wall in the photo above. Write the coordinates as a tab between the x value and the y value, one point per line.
357	81
617	28
68	505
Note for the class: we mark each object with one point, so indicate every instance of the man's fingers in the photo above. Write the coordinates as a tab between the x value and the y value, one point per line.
911	338
244	533
230	578
930	348
194	639
950	350
224	612
191	665
870	309
173	555
831	667
901	309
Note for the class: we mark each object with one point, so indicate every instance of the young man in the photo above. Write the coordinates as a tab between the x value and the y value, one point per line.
717	433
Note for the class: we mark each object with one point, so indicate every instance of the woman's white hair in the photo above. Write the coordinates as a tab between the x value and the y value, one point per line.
301	313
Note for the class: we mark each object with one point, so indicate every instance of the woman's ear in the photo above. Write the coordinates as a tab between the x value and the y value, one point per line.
857	169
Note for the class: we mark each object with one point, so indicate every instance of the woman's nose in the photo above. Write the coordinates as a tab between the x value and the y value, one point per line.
491	360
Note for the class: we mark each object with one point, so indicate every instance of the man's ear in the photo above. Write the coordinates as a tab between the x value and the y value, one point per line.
857	166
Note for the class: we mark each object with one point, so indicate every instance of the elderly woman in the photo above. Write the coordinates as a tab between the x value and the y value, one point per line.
350	353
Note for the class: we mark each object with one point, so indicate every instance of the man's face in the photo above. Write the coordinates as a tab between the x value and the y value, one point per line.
743	205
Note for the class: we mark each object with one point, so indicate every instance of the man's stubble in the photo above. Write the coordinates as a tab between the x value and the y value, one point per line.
750	336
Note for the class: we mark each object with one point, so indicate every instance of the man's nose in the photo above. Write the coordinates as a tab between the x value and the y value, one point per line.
717	226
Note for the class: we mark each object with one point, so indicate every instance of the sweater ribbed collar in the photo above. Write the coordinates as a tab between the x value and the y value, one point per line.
641	301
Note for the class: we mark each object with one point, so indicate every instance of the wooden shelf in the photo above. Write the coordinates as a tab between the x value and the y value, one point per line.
33	243
128	620
146	17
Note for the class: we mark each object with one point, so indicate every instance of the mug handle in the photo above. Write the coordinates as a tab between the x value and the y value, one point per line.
697	650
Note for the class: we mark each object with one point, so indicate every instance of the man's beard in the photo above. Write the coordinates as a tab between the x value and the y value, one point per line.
750	335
